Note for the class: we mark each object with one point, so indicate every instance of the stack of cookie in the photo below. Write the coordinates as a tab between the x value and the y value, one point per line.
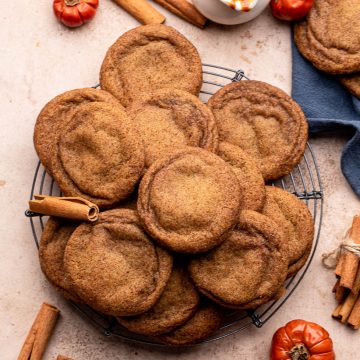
330	38
188	227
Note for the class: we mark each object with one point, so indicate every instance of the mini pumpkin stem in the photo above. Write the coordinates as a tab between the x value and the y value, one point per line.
72	2
299	352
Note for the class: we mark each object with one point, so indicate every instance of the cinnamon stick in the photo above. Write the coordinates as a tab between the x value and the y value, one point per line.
340	294
40	332
356	285
171	8
61	357
347	307
336	312
142	11
339	267
185	10
68	207
350	262
349	270
354	319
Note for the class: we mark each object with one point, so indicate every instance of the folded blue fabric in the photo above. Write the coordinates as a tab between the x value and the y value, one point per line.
329	108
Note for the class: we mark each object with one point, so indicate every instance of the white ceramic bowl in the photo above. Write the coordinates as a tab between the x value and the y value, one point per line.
220	13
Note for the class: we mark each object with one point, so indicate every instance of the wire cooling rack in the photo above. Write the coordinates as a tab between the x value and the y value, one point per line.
304	182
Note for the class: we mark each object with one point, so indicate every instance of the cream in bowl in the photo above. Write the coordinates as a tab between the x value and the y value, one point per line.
240	5
231	12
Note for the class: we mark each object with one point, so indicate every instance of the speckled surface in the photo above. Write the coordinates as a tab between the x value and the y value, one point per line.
39	59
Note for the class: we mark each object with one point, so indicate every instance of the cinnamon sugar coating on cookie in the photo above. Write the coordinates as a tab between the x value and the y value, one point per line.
248	269
150	57
189	201
114	265
329	36
57	112
53	241
263	121
205	321
98	154
168	120
177	304
293	216
248	173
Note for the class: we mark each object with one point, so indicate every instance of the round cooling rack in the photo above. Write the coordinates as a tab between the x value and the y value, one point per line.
304	182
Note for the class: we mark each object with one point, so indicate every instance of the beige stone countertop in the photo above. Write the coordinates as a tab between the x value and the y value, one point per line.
40	59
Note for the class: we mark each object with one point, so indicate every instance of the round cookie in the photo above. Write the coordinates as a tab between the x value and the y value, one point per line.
57	111
189	201
248	269
98	155
329	36
297	223
248	173
53	240
150	57
176	305
114	266
352	83
264	122
170	119
206	320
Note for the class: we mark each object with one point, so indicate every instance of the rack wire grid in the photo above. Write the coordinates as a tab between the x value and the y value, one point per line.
304	182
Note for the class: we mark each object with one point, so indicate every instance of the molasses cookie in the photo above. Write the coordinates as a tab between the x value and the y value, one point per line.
176	305
114	265
352	83
297	223
53	240
206	320
150	57
189	201
264	122
97	154
248	173
329	36
169	119
248	269
58	111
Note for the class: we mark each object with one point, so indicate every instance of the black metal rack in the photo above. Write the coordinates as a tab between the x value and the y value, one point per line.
304	182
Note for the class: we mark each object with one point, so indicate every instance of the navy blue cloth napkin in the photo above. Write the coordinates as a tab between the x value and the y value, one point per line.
330	109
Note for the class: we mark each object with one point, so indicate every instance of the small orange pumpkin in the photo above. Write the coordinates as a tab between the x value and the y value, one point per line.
302	340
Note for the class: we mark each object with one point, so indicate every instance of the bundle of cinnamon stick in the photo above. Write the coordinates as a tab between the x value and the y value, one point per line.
347	287
145	13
